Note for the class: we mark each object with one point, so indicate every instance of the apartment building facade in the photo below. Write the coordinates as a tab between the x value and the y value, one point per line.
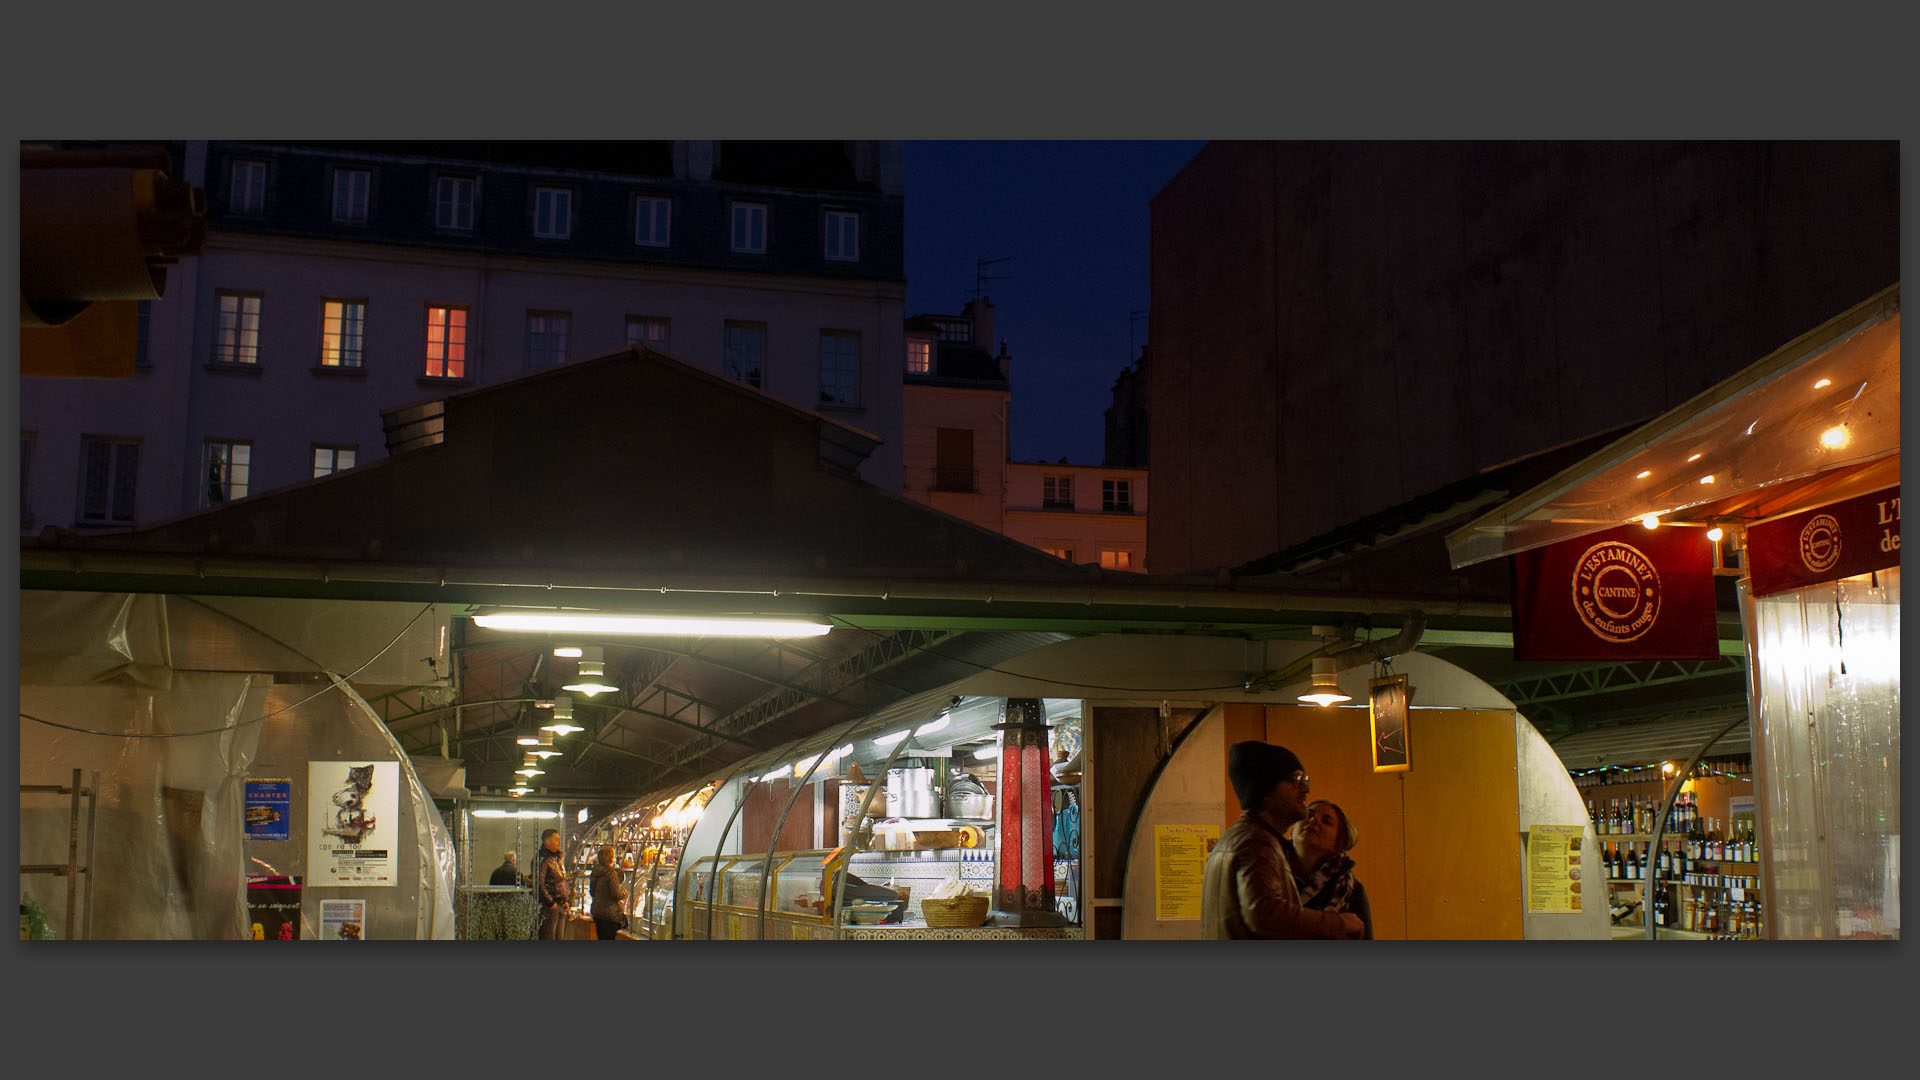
957	453
340	279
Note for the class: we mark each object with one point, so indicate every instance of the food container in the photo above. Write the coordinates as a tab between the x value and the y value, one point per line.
916	795
968	798
896	789
956	912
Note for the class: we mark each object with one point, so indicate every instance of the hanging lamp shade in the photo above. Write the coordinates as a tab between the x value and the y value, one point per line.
1325	690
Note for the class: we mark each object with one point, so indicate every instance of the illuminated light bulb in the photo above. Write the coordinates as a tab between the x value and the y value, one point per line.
1707	479
569	651
593	673
1714	534
518	790
1834	437
1823	384
1325	690
1651	521
1644	473
528	739
1693	459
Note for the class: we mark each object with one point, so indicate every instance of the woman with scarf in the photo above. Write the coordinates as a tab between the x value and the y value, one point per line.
1321	869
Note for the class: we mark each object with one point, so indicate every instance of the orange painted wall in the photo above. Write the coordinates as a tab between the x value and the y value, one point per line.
1439	847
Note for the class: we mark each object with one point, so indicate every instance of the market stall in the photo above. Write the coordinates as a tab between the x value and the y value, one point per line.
1788	476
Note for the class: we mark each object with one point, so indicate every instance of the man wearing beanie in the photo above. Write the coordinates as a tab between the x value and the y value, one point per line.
1247	890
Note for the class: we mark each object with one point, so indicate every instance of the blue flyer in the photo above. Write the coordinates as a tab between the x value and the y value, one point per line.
269	809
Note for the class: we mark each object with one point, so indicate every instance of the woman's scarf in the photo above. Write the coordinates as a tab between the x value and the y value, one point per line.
1329	886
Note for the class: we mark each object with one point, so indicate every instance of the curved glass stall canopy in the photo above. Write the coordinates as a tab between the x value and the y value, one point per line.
714	876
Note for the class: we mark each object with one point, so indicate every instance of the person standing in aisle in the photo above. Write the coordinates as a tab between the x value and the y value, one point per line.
1246	888
552	887
1322	869
609	896
507	873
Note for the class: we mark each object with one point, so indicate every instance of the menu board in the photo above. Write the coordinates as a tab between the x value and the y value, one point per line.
1553	868
1179	859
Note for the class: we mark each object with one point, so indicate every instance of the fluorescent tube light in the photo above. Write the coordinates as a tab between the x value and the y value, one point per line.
673	626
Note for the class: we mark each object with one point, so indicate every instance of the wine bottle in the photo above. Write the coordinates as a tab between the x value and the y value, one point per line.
1664	864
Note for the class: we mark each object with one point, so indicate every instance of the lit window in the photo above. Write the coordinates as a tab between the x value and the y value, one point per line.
237	337
920	357
109	470
1056	492
328	460
547	338
552	213
446	342
226	469
750	228
350	187
648	331
746	352
1060	553
1116	496
247	193
843	236
1116	560
453	203
652	221
343	331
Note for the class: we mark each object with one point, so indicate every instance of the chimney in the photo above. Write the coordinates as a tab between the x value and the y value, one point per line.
981	312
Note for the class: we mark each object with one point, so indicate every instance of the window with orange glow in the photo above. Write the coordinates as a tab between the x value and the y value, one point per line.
447	342
920	357
343	327
1060	553
1116	560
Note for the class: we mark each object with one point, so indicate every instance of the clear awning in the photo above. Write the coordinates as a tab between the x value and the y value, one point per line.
1819	417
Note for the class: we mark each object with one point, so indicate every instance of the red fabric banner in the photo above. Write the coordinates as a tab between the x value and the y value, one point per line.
1626	594
1843	540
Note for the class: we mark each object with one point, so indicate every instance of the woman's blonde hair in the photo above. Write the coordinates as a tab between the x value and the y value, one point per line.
605	855
1349	836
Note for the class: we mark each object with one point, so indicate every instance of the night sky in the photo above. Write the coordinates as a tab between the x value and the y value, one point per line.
1071	219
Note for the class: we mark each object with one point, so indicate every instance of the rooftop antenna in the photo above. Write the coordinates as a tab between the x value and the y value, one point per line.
1133	318
981	277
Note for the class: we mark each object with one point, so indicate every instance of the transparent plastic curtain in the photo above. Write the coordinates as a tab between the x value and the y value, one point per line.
167	841
1826	715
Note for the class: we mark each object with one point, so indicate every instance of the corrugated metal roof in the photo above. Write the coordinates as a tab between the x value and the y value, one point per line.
1660	740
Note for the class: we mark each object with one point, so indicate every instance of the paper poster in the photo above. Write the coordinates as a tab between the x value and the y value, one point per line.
273	906
343	920
1179	856
353	822
1553	868
269	809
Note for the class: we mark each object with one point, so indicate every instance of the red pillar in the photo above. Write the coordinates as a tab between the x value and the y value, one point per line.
1023	863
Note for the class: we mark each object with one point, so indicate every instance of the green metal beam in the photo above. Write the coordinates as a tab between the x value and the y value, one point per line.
1612	678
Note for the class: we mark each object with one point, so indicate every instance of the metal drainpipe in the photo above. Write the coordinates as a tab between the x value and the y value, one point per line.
1347	654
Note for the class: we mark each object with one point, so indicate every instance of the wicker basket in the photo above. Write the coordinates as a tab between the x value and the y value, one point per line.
959	911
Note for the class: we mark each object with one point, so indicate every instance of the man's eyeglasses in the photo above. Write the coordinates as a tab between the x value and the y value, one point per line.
1301	779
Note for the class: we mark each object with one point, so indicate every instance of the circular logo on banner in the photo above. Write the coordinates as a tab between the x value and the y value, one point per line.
1616	591
1820	543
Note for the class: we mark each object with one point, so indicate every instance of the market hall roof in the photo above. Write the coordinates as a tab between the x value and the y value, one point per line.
635	481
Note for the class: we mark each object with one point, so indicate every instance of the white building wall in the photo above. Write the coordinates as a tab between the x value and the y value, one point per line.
176	403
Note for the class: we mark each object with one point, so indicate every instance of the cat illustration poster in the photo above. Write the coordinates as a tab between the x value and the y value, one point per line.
353	819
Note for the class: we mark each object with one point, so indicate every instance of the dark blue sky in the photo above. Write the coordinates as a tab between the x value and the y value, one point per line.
1070	218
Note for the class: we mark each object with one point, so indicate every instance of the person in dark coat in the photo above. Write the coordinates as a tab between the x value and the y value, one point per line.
551	886
1246	887
507	873
609	896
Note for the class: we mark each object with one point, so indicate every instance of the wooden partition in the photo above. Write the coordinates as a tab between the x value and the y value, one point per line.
1440	848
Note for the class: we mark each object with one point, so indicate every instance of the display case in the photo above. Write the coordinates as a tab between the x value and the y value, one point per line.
722	896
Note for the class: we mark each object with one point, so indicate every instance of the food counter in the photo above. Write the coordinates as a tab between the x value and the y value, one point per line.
895	821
